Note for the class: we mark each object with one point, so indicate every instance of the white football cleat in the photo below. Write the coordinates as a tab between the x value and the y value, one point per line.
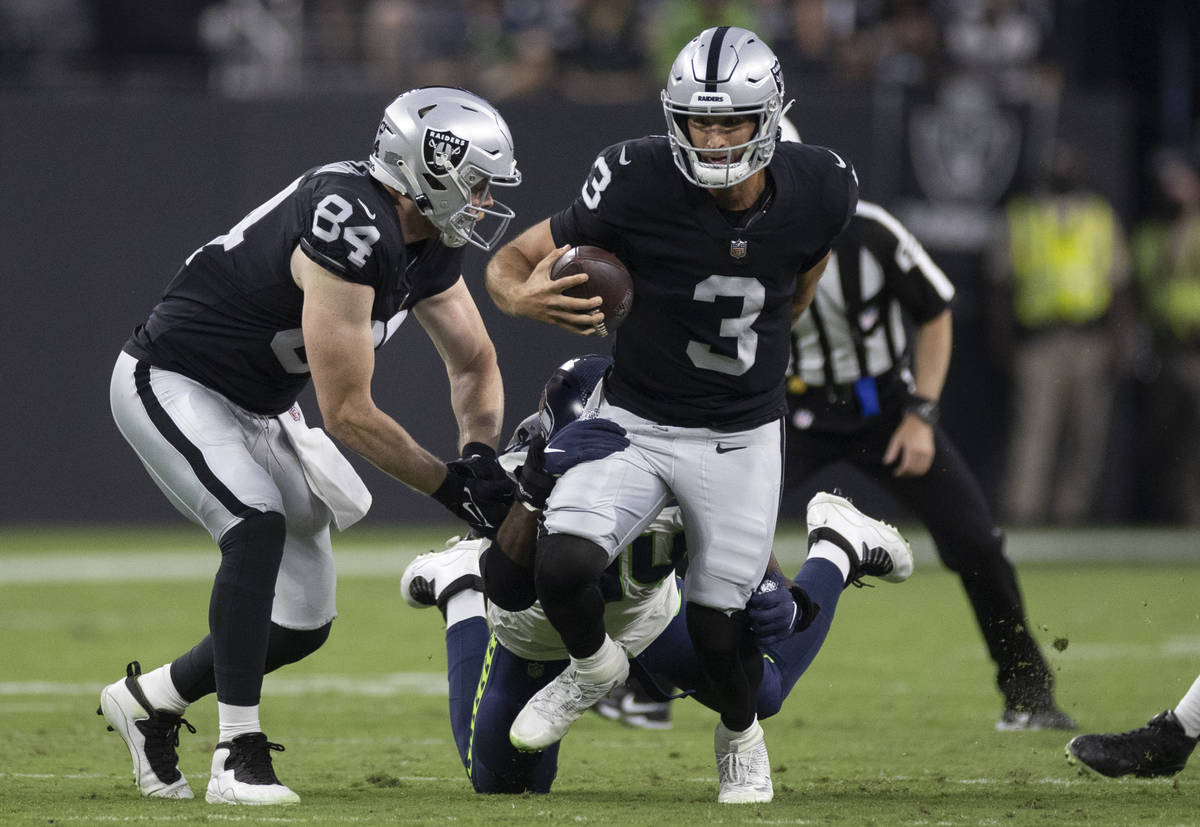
874	547
548	715
242	773
434	577
150	734
743	767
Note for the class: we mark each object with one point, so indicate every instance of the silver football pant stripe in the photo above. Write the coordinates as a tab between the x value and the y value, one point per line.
727	486
217	463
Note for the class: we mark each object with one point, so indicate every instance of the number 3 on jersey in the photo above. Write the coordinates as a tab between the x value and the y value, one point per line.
753	296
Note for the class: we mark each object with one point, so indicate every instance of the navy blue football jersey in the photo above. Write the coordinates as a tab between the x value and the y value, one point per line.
231	317
707	341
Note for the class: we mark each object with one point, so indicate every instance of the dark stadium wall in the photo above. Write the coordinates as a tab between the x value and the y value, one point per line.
106	196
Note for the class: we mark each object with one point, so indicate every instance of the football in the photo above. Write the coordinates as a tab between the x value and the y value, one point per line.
607	278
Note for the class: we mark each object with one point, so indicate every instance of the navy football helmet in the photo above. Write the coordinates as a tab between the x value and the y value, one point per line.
568	390
564	398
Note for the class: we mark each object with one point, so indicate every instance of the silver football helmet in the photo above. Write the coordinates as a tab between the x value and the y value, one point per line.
445	148
724	71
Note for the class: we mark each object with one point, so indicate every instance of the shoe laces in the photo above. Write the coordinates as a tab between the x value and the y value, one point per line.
161	731
875	562
253	756
563	693
732	769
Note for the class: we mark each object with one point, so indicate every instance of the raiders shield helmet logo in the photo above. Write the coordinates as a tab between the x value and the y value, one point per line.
443	151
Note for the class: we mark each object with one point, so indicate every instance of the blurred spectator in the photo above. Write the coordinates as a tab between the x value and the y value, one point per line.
906	44
676	22
45	42
1166	256
606	58
1005	39
256	46
1060	269
810	36
523	53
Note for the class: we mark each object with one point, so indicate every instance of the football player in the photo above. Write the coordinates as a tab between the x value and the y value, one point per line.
307	285
725	233
502	653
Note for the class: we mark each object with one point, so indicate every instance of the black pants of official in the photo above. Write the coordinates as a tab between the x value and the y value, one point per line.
950	503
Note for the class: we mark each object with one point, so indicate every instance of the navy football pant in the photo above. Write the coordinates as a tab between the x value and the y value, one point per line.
489	685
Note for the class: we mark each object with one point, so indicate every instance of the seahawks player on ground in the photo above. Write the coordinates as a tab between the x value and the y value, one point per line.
308	284
725	233
494	670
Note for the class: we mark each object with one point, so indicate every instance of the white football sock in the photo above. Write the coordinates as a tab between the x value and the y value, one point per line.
160	690
237	720
827	550
1188	710
463	606
602	666
725	738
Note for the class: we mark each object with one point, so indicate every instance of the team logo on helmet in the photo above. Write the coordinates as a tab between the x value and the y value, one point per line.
443	151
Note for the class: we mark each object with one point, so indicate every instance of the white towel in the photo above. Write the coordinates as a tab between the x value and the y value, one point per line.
329	474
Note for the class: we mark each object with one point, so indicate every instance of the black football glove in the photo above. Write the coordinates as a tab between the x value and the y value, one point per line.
779	609
580	441
476	489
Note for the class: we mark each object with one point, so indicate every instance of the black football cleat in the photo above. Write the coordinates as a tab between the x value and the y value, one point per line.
1160	748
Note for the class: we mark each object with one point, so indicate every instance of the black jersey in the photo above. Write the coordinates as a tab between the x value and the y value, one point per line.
231	318
707	340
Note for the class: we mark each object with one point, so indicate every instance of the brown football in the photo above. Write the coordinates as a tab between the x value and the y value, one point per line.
607	278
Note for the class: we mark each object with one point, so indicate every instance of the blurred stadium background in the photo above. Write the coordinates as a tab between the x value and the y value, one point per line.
132	131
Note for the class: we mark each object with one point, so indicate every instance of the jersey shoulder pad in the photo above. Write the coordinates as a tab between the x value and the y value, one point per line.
348	227
627	173
825	173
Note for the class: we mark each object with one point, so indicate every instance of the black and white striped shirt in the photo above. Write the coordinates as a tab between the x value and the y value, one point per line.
855	326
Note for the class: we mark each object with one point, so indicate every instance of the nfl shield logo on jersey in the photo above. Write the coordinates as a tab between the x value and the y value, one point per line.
737	248
443	151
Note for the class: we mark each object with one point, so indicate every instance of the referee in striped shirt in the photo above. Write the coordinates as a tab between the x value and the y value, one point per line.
859	391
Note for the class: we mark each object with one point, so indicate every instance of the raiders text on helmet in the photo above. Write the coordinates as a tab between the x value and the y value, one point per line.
439	145
724	71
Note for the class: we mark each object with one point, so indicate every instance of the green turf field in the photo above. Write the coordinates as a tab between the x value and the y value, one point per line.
893	724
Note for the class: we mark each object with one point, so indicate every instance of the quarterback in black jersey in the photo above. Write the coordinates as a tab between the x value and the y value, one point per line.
725	234
306	286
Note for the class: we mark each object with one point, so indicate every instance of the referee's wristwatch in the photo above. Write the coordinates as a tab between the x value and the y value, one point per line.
926	410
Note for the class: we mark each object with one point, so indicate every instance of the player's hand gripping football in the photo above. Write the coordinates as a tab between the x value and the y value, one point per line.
476	489
580	441
541	298
779	609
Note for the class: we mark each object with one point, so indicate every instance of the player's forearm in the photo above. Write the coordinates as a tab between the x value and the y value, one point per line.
477	399
506	272
380	440
931	355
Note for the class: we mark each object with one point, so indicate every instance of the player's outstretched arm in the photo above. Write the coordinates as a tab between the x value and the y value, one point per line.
341	357
476	390
518	279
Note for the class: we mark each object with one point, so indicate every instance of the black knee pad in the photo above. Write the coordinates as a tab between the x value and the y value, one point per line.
290	645
565	562
251	552
508	585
